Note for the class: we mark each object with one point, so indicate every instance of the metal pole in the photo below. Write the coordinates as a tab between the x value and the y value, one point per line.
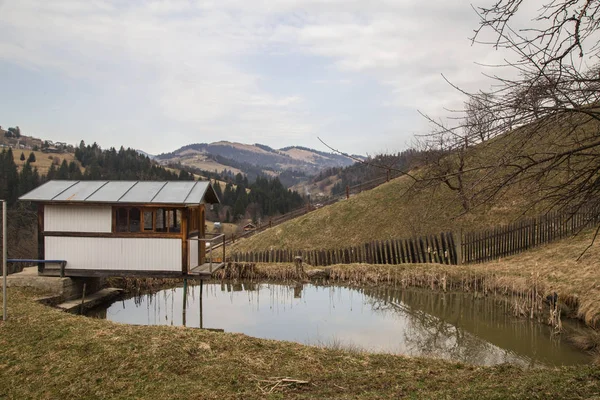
201	284
4	254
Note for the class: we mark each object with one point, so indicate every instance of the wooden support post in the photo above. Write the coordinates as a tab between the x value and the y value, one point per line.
300	274
40	237
184	242
82	299
184	308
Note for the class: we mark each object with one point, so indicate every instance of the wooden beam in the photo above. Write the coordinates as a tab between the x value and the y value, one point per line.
184	241
202	234
40	238
93	273
96	204
146	235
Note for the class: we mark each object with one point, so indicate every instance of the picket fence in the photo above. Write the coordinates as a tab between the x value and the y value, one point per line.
471	247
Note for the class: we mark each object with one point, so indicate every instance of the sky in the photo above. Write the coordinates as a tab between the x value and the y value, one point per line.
157	75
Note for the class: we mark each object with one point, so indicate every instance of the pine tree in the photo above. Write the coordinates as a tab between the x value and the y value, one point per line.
22	158
51	172
63	171
9	177
31	158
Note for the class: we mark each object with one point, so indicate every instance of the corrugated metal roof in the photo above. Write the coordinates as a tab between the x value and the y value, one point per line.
144	192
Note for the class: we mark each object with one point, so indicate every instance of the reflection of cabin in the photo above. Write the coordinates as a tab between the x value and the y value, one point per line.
124	228
249	227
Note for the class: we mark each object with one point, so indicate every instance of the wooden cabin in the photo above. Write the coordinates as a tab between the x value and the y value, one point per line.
126	228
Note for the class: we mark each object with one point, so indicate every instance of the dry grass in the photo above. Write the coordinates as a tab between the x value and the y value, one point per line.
42	160
45	353
380	214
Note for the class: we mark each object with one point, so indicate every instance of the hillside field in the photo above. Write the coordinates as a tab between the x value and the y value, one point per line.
43	161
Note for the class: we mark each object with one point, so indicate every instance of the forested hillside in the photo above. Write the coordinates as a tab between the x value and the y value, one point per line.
264	197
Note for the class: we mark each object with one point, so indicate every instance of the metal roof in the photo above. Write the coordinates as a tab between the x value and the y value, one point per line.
144	192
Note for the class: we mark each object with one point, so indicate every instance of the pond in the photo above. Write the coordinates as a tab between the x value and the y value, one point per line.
452	326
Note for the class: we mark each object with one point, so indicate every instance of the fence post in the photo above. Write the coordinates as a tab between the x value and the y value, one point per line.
458	247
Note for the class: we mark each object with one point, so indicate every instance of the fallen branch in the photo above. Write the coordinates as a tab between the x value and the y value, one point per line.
278	383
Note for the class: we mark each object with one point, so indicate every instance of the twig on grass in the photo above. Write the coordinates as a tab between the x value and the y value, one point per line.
269	385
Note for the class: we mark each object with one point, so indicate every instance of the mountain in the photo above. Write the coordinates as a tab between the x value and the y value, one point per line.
253	159
150	156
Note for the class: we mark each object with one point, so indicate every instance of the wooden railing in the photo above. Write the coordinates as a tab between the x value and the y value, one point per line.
217	240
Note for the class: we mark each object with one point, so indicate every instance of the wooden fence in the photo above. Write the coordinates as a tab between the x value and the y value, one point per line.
473	247
523	235
426	249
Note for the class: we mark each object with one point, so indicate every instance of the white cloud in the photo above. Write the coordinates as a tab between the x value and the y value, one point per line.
190	55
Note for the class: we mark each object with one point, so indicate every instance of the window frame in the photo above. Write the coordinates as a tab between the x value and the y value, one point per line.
169	212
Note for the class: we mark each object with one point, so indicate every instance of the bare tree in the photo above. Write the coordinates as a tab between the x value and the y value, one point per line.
546	115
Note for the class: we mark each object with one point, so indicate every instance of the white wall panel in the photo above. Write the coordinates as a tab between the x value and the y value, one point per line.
193	257
131	254
58	218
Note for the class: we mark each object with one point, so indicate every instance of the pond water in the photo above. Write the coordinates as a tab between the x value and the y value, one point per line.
453	326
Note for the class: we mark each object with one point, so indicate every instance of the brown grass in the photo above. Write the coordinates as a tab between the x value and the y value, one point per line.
42	160
49	354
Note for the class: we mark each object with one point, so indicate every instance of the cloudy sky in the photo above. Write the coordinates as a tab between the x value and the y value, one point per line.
156	75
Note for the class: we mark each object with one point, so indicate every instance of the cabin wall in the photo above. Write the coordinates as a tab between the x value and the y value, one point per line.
116	254
59	218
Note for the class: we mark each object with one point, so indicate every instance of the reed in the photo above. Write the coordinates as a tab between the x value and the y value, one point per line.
527	293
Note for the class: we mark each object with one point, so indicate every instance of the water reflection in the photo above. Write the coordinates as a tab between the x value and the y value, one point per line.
450	326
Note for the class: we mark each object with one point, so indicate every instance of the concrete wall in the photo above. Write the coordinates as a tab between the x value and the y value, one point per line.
61	288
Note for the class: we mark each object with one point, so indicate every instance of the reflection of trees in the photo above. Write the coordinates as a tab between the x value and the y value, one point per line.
433	325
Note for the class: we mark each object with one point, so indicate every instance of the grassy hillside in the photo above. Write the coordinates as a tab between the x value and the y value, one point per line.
43	161
385	212
403	208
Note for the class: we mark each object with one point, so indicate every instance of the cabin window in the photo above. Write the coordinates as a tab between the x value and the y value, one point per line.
122	220
161	217
147	220
128	219
135	219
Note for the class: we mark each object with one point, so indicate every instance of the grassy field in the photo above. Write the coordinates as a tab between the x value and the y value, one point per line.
46	353
42	160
